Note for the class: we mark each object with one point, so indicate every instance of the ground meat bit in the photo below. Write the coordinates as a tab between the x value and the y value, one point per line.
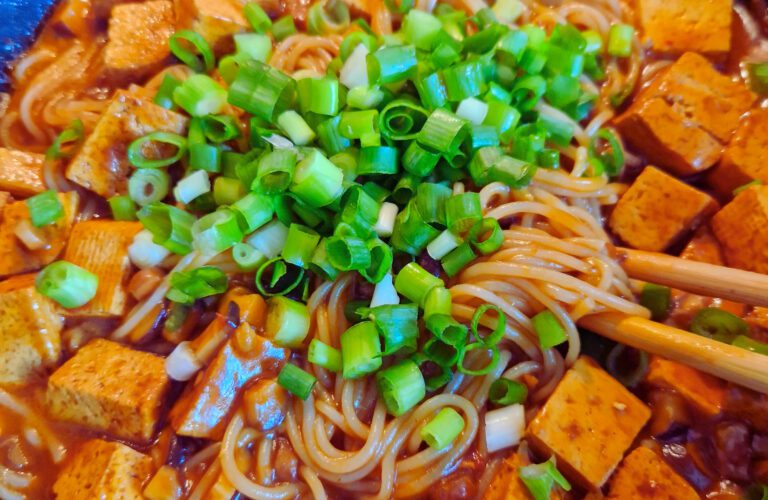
457	486
363	290
734	453
286	463
760	445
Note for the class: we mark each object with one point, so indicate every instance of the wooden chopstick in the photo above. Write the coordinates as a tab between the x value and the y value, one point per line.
725	361
696	277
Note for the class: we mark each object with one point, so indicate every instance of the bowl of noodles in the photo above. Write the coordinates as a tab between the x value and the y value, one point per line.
385	249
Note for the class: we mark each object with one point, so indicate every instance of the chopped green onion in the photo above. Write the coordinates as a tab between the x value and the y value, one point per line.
247	258
188	286
122	207
348	253
485	369
421	28
473	110
365	97
718	324
66	142
287	322
397	324
319	95
627	365
69	285
148	185
463	211
486	236
515	173
171	227
507	392
296	381
497	334
656	298
482	161
205	157
441	352
434	382
135	152
419	161
527	92
300	245
401	387
227	191
447	330
283	28
199	59
200	95
401	119
549	330
443	429
220	128
438	301
164	95
327	16
270	238
464	80
607	157
262	90
411	233
323	355
750	344
360	350
254	210
216	232
190	187
458	259
257	18
744	187
757	76
317	181
276	278
330	137
415	283
391	64
443	244
251	46
376	160
381	261
275	172
539	479
620	40
443	132
44	208
320	265
431	90
297	129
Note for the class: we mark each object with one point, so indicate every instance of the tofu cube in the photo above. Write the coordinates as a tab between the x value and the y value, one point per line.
658	210
644	474
104	469
588	423
21	173
203	408
109	388
15	257
744	159
741	227
137	40
506	483
29	331
681	120
101	246
101	164
677	26
216	20
703	391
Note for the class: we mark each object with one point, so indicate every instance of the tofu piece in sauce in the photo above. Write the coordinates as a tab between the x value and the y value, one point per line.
21	173
103	469
106	387
677	26
29	331
101	247
202	409
15	257
744	158
741	227
137	40
101	164
216	20
506	483
703	391
644	474
658	210
588	423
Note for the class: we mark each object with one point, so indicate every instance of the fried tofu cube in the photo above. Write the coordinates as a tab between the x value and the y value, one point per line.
741	227
677	26
658	210
5	199
203	408
164	485
744	159
216	20
21	173
137	40
644	474
29	331
101	246
15	257
101	164
104	469
506	483
107	387
588	423
703	391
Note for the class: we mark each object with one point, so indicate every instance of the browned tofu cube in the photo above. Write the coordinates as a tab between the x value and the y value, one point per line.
109	388
15	257
741	227
21	173
101	246
202	409
658	210
216	20
137	40
703	391
677	26
101	164
681	120
103	469
588	423
5	199
29	331
744	160
506	483
644	474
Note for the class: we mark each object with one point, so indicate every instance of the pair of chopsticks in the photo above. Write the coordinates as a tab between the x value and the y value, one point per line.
722	360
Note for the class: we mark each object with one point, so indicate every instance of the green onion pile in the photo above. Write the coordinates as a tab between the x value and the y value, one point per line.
346	171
